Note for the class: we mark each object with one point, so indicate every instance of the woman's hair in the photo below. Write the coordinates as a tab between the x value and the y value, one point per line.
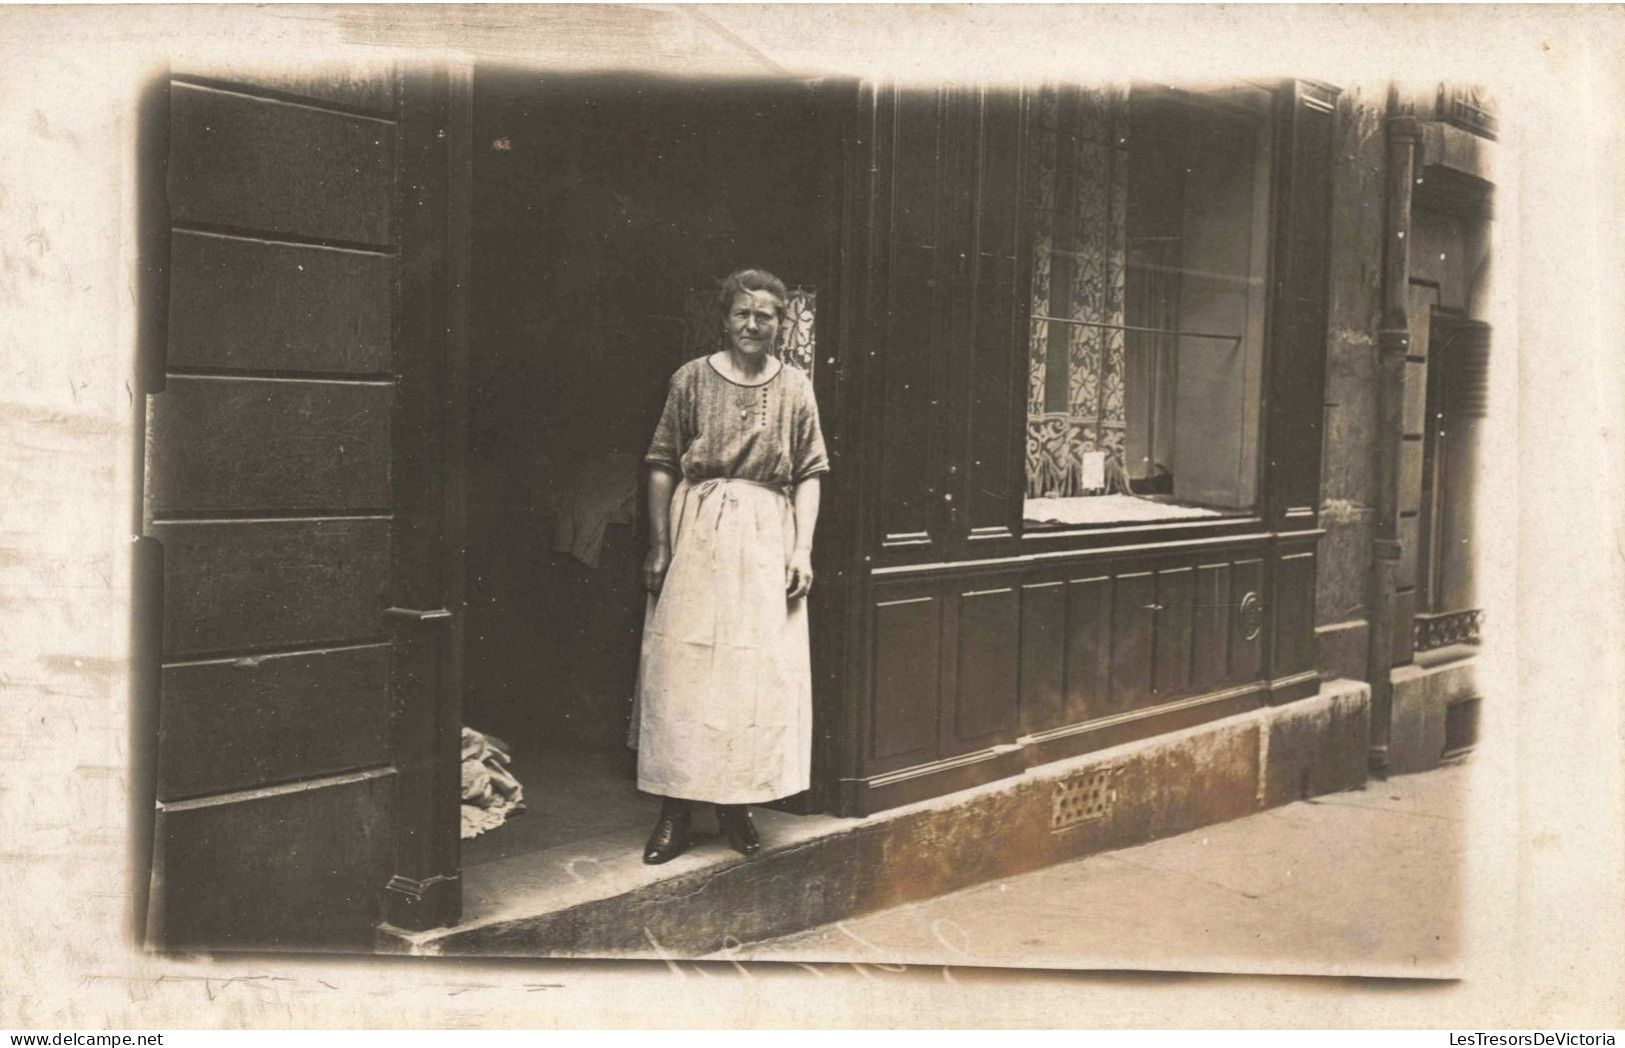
747	280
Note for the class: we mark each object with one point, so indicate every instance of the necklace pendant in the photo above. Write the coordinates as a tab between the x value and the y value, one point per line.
744	413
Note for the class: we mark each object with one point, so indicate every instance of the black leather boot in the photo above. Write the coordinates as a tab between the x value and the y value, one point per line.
735	823
670	836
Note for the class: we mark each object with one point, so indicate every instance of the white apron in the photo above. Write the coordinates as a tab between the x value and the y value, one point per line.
724	698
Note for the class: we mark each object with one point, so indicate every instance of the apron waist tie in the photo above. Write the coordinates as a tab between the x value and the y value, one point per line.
706	488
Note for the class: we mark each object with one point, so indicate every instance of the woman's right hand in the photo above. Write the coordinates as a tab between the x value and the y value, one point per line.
654	568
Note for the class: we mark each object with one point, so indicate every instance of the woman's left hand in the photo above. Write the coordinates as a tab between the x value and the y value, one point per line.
798	574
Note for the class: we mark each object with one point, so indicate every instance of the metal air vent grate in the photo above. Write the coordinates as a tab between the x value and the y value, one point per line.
1082	798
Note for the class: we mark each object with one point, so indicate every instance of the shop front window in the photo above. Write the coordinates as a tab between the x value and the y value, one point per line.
1150	215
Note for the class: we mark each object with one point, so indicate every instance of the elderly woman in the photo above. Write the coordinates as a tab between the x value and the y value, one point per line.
724	711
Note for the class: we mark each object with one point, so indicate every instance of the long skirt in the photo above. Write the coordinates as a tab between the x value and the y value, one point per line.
724	697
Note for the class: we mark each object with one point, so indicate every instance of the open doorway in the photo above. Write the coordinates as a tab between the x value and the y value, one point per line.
604	211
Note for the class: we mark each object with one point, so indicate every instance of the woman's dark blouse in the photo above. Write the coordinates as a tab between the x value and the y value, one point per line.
715	427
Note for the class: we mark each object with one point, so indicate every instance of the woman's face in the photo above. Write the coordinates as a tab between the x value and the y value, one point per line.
753	322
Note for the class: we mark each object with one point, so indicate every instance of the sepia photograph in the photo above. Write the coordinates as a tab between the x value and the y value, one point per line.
614	492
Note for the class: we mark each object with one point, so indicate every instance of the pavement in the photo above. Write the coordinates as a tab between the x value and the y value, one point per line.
1366	882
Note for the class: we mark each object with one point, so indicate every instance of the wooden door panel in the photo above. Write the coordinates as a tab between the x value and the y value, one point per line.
1297	358
1211	626
1088	649
949	438
282	867
237	723
222	445
910	355
298	484
1043	655
907	661
1134	598
1293	614
1175	613
992	486
983	704
245	586
279	169
1246	630
992	460
910	507
916	171
290	308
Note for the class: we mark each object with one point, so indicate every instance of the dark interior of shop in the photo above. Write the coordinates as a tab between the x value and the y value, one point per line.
605	209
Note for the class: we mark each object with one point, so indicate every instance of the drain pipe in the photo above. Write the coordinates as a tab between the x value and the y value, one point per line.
1393	346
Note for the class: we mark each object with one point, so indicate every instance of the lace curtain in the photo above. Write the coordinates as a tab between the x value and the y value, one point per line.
1075	409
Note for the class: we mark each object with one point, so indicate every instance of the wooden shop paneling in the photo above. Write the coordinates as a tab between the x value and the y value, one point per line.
987	672
252	305
244	585
1044	660
1175	613
230	444
1062	659
1078	638
1247	623
1294	613
277	169
274	868
907	666
1210	630
1134	619
247	722
1088	649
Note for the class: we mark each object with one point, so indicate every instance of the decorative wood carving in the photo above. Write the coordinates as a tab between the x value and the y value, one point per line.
1250	616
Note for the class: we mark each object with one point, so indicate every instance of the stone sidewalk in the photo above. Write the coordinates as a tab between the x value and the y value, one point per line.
1365	882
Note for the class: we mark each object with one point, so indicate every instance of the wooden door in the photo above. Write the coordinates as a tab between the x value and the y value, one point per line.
299	489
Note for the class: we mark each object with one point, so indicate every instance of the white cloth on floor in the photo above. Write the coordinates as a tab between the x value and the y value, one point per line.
490	791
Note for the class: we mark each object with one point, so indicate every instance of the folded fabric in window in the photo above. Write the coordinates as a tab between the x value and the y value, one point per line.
1108	509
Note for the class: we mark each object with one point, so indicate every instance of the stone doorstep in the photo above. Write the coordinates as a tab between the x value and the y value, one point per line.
597	898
